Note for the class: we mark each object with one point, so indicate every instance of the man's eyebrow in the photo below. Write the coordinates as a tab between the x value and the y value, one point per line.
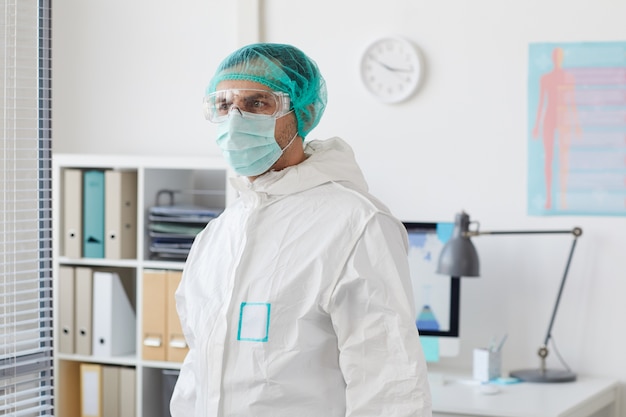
257	94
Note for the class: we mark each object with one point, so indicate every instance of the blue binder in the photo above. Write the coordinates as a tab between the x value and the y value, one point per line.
93	214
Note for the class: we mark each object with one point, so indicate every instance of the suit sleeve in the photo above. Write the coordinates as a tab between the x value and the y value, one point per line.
373	314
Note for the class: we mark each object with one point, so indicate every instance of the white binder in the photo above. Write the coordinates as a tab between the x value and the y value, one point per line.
66	309
72	213
128	401
110	391
90	390
113	316
83	311
120	214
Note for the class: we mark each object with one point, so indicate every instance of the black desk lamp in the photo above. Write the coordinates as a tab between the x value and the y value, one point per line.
459	259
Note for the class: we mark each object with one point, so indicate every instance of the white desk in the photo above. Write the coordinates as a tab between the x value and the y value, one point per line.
588	396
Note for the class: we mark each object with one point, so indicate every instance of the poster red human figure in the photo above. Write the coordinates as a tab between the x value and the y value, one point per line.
556	114
577	128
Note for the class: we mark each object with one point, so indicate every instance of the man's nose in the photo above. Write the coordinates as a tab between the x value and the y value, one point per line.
234	107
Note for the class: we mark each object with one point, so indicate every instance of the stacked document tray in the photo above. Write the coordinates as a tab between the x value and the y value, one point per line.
172	229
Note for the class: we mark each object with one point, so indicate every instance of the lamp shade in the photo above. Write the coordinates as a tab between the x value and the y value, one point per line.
458	257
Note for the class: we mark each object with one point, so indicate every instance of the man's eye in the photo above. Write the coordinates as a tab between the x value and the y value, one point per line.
223	106
253	103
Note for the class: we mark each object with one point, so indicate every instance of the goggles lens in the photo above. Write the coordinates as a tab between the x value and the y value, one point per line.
217	105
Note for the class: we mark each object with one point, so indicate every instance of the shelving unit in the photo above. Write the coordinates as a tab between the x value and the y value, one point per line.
153	174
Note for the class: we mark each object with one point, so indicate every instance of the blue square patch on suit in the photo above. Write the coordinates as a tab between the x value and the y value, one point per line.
254	322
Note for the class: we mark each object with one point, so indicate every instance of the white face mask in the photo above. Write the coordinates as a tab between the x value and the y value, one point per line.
248	144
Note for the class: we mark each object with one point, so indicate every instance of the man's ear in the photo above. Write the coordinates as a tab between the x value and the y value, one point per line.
309	115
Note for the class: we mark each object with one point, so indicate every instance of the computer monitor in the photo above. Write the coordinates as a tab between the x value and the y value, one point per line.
437	297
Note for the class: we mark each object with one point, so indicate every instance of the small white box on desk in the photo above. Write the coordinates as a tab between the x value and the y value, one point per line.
486	364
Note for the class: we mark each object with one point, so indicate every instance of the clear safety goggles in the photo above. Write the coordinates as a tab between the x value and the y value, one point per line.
217	105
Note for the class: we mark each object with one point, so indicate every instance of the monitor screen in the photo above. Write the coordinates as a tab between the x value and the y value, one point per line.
436	296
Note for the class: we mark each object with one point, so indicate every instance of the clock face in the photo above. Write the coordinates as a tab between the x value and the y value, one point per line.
391	69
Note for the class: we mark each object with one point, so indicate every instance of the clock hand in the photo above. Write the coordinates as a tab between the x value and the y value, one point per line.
388	67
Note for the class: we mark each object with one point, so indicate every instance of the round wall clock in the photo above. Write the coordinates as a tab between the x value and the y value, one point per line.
392	69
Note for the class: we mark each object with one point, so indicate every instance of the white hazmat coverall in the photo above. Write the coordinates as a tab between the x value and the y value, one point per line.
297	301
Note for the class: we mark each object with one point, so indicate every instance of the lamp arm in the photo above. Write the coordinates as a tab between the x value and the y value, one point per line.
558	297
576	231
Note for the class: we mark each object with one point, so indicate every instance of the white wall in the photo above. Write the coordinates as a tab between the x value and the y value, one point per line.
129	77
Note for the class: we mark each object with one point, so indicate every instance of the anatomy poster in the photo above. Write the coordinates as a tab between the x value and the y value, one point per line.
577	128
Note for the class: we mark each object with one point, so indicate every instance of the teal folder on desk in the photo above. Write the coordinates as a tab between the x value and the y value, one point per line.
93	214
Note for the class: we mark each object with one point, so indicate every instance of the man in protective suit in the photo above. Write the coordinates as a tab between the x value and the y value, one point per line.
297	300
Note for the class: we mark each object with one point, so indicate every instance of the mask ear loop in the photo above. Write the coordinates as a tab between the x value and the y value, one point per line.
282	151
294	136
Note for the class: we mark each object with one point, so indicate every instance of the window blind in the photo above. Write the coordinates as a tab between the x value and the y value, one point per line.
26	385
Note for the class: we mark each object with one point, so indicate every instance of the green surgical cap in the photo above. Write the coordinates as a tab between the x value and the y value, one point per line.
282	68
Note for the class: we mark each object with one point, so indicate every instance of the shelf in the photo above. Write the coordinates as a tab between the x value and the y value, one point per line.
127	360
116	263
209	175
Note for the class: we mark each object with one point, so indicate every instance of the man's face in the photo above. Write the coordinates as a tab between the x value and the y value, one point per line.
282	123
286	126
